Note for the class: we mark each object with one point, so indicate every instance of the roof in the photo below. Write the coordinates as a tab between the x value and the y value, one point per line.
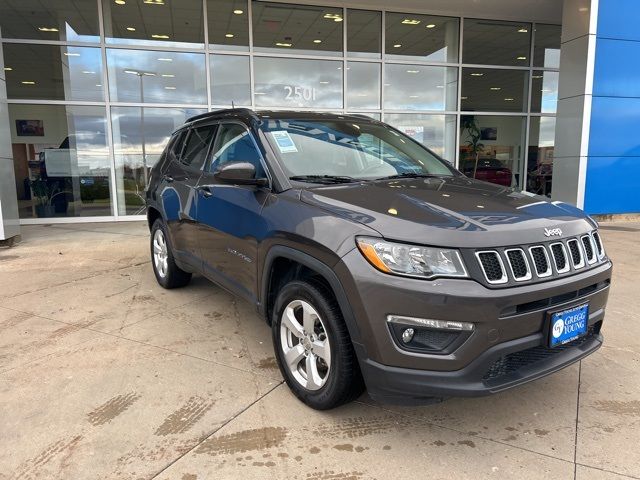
250	115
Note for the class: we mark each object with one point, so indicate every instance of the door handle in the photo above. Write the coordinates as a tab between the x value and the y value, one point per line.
206	190
167	178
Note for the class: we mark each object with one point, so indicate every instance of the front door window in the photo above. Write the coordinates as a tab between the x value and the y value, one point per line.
235	144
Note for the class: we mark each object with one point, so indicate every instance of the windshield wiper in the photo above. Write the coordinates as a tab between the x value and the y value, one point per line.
410	175
324	178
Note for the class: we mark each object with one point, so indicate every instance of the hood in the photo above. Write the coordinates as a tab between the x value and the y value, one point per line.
449	211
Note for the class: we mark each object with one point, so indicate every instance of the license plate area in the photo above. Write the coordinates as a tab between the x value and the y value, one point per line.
567	325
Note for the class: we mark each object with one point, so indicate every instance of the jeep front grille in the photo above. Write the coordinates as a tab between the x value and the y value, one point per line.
537	262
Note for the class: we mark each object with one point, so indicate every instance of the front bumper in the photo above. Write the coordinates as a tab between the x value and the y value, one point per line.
506	320
409	386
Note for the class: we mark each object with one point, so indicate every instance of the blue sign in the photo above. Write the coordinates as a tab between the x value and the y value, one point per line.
568	325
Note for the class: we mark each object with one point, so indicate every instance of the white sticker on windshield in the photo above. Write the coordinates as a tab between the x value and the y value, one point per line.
284	141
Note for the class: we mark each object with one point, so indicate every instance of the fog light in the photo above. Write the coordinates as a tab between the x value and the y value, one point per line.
424	335
407	335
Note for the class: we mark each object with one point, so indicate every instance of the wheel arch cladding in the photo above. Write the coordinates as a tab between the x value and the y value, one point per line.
152	215
299	264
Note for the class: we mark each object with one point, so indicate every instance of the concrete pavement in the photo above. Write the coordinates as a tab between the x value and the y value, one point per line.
103	374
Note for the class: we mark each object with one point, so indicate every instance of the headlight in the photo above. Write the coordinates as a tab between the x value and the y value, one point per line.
413	260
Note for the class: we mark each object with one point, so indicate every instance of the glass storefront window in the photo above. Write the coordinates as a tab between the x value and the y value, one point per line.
228	22
546	46
420	87
421	37
156	77
178	23
491	148
363	85
544	91
51	20
364	33
139	137
291	82
297	29
61	160
489	90
542	131
392	66
493	42
437	132
52	72
230	80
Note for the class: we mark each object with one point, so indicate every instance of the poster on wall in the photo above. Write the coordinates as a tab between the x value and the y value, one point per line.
29	128
489	133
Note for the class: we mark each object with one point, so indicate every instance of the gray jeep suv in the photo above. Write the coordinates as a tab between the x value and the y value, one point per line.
375	262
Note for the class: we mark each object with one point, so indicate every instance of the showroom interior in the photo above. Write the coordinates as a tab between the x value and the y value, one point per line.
95	88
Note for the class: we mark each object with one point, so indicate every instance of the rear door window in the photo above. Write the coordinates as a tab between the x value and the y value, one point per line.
197	146
175	149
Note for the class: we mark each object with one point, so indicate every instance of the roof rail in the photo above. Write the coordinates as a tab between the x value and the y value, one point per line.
362	115
220	111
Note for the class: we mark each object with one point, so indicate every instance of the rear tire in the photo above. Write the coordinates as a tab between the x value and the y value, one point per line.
167	273
313	347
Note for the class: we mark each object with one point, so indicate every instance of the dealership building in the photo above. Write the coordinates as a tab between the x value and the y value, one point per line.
540	95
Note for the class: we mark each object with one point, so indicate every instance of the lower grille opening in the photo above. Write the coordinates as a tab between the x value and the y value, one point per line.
513	362
588	290
556	300
565	297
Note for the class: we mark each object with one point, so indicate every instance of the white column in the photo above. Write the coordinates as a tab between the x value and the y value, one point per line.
9	222
579	23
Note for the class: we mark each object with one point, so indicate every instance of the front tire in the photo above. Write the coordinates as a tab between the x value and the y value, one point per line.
167	273
313	347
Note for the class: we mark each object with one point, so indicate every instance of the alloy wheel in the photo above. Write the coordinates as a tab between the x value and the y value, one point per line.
305	344
160	253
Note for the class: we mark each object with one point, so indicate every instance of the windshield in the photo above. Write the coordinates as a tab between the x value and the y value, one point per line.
349	150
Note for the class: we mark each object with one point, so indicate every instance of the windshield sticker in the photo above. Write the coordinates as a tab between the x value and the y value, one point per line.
284	141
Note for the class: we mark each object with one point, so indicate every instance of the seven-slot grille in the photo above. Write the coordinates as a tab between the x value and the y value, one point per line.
541	260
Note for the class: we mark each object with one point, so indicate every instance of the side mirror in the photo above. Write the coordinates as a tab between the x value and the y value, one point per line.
240	173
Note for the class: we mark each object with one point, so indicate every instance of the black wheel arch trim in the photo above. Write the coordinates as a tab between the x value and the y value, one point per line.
281	251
